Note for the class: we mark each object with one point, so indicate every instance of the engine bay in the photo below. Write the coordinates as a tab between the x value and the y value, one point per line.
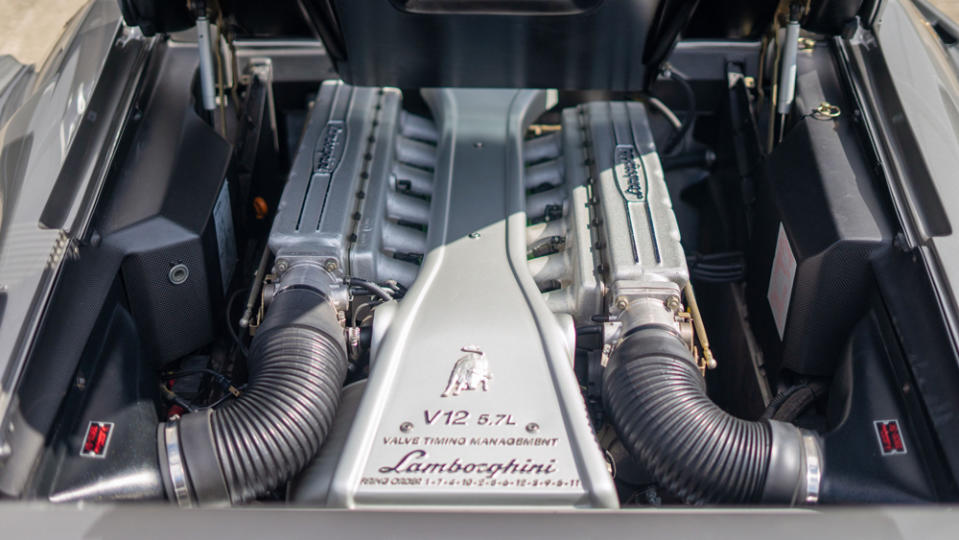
323	294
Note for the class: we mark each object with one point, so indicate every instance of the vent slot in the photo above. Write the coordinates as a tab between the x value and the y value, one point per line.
547	201
393	221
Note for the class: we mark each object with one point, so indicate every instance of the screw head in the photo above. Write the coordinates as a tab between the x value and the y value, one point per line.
532	427
673	303
622	303
406	427
282	265
331	265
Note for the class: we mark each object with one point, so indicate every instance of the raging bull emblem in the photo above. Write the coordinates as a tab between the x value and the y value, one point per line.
470	372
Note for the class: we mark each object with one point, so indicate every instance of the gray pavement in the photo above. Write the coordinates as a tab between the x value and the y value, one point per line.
30	28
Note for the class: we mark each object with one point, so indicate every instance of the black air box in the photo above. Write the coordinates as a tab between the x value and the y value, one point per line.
171	216
819	221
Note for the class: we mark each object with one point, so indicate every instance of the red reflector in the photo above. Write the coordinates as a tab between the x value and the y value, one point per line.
97	439
884	438
890	437
91	438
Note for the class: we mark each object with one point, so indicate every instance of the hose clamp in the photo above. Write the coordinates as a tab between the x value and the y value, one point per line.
178	479
814	463
795	467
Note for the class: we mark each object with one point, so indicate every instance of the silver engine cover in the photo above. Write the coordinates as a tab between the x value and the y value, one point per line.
472	398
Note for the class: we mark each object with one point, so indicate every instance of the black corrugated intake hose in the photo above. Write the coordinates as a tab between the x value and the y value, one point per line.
656	399
256	442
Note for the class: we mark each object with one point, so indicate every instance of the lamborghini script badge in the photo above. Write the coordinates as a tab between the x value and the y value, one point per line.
470	372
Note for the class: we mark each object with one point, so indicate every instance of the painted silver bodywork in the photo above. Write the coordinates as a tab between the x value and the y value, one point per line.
35	144
50	116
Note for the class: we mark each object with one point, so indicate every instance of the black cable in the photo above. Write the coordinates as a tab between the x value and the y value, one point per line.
172	396
399	290
797	403
225	383
778	400
695	159
790	403
219	377
226	396
370	287
707	272
690	117
713	257
717	267
588	330
719	279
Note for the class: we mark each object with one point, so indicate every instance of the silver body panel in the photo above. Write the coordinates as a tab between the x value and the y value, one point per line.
40	130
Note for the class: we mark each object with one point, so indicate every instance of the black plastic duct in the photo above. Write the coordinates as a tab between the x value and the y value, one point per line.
656	399
269	433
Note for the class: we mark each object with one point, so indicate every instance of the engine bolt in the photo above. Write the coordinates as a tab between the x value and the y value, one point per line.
532	427
673	303
281	266
622	303
331	265
406	427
